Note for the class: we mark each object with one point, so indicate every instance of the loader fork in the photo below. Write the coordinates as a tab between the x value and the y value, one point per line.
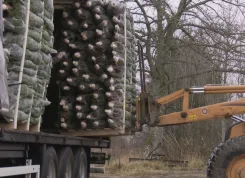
146	107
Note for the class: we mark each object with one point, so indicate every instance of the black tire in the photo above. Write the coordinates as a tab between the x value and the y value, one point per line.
223	155
50	163
81	163
66	163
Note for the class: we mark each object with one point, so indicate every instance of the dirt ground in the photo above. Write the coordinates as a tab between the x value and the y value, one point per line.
182	174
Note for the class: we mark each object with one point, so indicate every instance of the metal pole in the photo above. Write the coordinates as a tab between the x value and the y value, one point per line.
141	70
28	163
22	63
125	68
143	67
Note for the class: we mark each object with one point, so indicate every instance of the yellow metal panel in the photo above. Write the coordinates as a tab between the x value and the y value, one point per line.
172	97
220	110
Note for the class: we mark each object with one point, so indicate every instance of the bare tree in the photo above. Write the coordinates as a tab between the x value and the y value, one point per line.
166	28
187	43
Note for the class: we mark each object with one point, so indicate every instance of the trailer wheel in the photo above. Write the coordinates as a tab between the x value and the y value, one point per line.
50	163
66	163
80	167
228	159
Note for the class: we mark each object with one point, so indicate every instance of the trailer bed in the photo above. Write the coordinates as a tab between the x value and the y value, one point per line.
16	136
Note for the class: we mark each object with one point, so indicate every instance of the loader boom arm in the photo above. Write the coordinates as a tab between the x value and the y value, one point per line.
149	114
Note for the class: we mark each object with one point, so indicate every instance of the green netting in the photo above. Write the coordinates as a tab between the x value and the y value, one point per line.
35	62
37	6
47	43
22	116
25	104
14	25
25	91
35	57
19	11
30	81
17	3
24	107
11	38
26	110
27	71
49	26
47	49
34	120
35	20
38	95
14	77
33	45
44	74
39	88
28	64
36	112
130	88
33	33
48	5
40	102
47	58
46	35
47	14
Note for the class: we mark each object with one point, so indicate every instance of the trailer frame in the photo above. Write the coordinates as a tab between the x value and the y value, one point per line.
16	136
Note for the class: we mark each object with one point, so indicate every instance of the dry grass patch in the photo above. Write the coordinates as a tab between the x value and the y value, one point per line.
122	167
136	168
196	162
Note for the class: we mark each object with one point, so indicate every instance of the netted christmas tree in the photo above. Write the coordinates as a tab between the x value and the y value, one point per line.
32	58
97	71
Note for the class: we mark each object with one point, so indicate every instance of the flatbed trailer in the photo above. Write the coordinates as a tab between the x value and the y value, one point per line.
26	150
40	151
29	151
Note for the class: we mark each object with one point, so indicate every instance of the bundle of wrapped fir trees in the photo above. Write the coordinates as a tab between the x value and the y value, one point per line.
28	44
95	63
96	66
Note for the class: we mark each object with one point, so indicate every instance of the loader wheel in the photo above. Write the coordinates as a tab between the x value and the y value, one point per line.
228	159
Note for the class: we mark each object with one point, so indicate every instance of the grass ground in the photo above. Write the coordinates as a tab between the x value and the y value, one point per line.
121	168
166	174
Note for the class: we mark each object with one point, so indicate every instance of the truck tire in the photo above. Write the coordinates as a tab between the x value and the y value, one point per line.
228	159
66	163
80	167
50	163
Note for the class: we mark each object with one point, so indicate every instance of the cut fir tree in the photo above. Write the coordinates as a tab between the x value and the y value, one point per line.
92	64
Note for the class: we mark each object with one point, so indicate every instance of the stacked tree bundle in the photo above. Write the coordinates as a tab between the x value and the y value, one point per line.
45	64
92	66
15	27
27	58
132	68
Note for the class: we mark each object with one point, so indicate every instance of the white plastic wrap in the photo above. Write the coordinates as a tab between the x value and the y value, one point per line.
4	97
